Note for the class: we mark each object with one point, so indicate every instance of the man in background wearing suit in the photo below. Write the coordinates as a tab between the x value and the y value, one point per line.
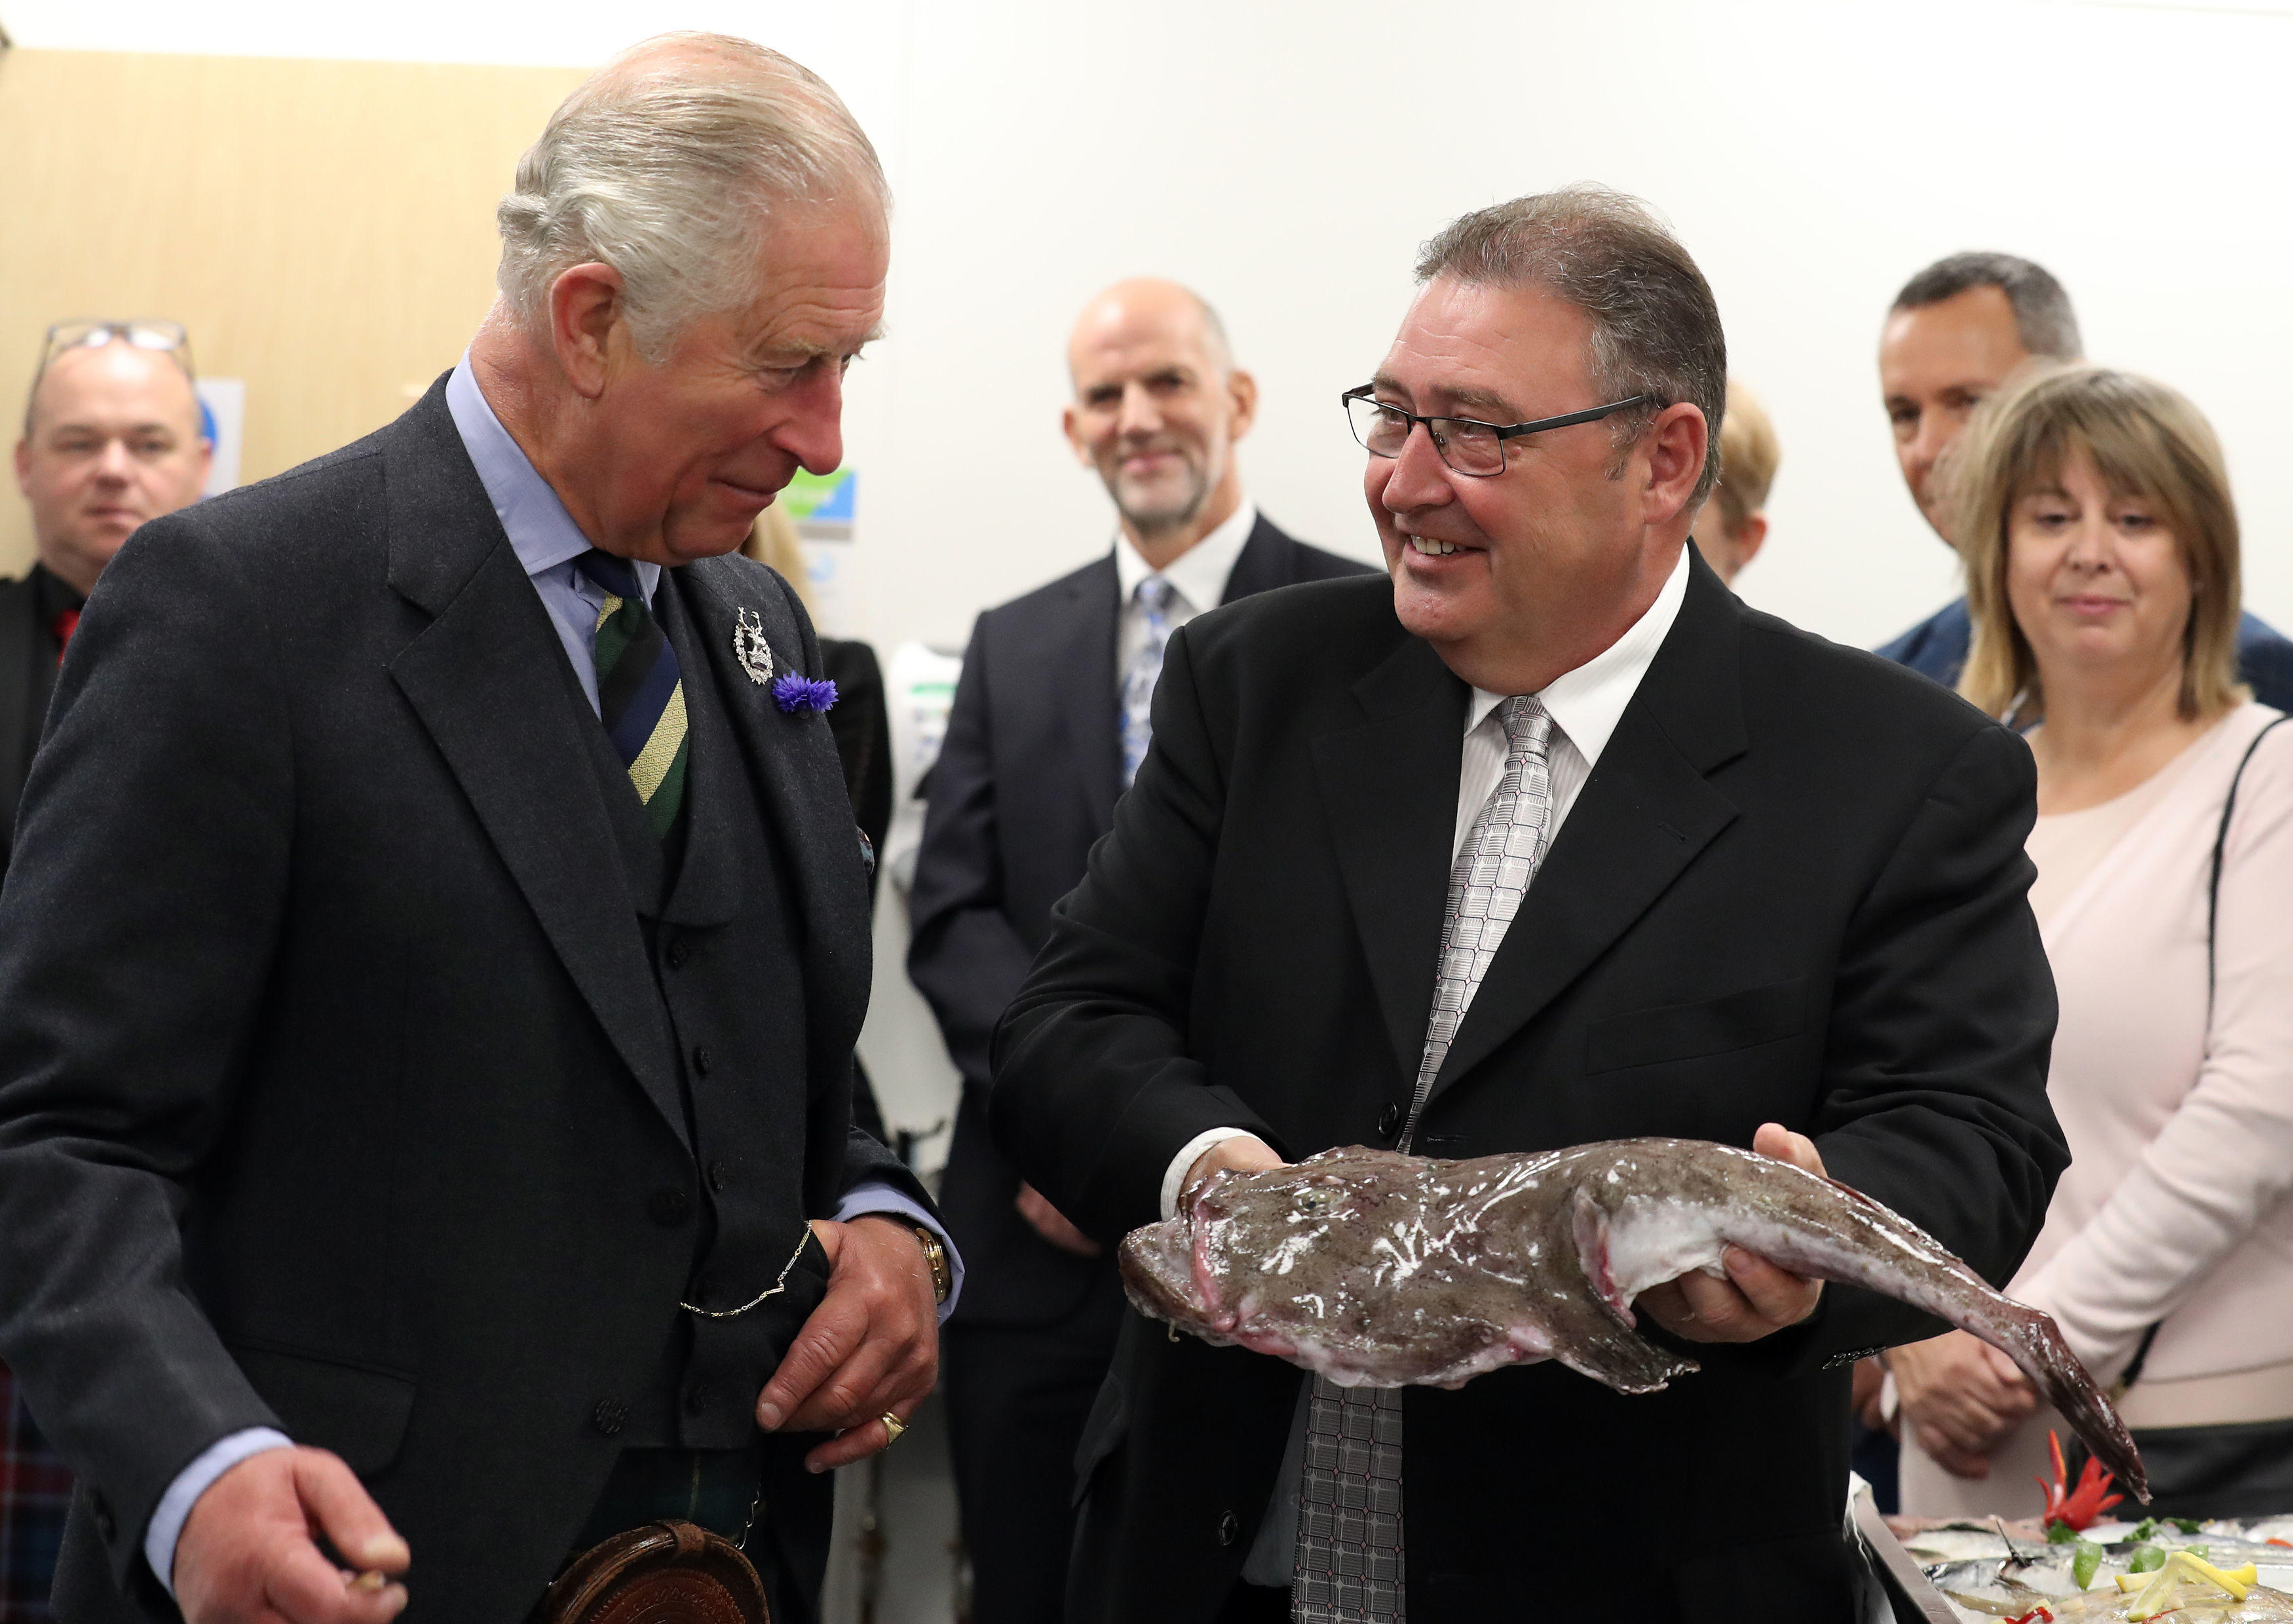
112	438
1957	331
1550	840
1049	722
429	975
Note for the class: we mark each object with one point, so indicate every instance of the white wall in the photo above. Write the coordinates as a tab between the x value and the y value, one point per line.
1286	155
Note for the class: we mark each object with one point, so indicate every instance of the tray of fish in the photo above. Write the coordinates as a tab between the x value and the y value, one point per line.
1376	1269
2220	1572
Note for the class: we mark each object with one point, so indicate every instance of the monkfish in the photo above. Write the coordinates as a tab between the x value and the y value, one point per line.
1383	1270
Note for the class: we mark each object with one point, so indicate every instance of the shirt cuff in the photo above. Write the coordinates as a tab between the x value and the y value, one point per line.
875	1196
1174	1177
174	1507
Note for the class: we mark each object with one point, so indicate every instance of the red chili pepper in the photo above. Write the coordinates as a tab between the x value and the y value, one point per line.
2078	1509
2287	1544
2037	1615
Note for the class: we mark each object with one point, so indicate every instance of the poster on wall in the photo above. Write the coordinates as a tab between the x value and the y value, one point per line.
823	505
223	417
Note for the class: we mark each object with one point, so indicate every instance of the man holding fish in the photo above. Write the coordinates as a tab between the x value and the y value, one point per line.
1547	840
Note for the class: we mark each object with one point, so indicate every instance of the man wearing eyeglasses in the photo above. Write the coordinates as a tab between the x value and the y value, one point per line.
1547	840
112	438
1049	723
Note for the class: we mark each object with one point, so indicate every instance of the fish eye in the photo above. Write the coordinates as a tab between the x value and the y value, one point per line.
1314	1197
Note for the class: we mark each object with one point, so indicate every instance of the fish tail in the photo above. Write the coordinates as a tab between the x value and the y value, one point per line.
1913	1267
2031	1339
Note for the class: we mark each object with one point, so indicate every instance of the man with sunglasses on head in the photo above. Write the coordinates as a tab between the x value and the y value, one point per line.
112	438
1549	839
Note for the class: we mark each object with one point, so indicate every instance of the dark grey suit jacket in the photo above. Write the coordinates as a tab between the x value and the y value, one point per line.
338	1088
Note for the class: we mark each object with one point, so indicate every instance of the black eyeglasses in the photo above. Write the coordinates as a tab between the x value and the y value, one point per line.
1467	446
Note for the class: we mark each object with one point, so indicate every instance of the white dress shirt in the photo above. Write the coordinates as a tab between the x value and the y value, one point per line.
1197	577
1585	705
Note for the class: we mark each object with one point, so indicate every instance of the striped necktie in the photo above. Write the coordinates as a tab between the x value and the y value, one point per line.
1350	1555
640	696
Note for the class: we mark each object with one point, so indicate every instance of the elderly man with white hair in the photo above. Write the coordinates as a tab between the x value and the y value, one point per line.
430	970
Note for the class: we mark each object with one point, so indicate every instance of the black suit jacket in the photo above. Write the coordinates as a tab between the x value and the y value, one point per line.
337	1090
1024	785
28	677
1792	889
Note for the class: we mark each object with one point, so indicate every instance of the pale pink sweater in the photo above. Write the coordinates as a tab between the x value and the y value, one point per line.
2176	1204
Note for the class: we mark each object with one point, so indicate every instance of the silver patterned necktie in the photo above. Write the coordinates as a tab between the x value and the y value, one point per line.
1349	1538
1153	596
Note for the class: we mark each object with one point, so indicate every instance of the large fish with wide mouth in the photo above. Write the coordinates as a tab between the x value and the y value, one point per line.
1383	1270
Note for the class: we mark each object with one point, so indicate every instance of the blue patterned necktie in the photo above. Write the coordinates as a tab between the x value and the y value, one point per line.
1349	1556
1153	596
640	693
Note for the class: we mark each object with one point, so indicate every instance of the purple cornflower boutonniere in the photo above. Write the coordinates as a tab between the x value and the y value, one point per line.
797	694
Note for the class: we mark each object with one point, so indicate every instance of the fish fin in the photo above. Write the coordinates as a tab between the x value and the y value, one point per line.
1626	1360
1589	1225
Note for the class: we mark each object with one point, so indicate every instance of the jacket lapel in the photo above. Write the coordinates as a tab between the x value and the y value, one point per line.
1079	658
1268	560
799	783
1388	789
488	679
1642	819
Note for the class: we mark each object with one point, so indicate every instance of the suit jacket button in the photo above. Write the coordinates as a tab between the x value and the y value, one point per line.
1229	1528
1388	1121
107	1526
703	1060
716	1179
669	1207
700	1397
609	1416
678	954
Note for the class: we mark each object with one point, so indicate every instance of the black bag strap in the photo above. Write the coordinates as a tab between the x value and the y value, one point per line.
2213	913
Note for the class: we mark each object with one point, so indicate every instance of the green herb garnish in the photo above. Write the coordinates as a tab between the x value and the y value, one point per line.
2083	1564
2059	1533
2147	1559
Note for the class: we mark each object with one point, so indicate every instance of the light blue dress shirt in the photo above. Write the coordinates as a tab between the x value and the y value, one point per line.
547	542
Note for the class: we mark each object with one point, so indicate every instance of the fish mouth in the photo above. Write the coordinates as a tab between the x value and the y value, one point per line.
1163	1273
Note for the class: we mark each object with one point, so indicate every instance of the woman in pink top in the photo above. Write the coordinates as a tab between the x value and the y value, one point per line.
2102	559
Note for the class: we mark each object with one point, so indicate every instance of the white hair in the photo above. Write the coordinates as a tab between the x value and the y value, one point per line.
667	165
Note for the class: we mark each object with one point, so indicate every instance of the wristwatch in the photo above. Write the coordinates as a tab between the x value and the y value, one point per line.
935	1255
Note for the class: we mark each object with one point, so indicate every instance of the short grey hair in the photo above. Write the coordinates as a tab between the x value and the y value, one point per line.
2044	319
667	165
1656	327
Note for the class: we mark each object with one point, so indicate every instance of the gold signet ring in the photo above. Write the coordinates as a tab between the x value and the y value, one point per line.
892	1426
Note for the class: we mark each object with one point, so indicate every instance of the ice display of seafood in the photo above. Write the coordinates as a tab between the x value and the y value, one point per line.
1378	1269
2222	1571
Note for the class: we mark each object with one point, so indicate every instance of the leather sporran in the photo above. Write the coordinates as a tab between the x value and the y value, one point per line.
662	1573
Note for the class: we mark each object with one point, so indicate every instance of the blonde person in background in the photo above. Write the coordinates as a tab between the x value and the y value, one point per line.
2101	550
1734	523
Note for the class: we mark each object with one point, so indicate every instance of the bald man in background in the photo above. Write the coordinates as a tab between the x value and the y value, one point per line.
112	438
1049	726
